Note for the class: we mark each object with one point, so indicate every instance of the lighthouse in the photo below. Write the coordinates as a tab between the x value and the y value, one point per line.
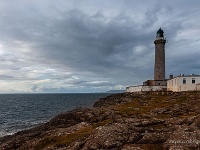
159	83
159	67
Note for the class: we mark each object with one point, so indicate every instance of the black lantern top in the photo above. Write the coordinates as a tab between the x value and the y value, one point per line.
160	33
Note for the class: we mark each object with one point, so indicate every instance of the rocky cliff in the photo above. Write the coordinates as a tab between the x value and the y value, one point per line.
119	122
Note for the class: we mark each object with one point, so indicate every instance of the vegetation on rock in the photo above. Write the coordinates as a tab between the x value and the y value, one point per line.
121	121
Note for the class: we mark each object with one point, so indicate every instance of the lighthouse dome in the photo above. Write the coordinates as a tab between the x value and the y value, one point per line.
160	33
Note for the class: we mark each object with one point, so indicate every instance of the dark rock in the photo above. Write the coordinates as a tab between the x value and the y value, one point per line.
71	118
114	99
173	124
108	136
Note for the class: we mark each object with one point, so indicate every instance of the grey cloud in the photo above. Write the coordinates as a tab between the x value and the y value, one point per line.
34	88
95	42
7	77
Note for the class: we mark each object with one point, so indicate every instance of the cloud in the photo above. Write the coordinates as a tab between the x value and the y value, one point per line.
34	88
85	45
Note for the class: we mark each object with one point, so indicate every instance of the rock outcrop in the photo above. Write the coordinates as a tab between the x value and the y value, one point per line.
119	122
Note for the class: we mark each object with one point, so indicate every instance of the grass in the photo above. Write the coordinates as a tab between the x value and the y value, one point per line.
148	146
60	141
141	104
158	127
152	147
64	140
147	103
101	123
137	106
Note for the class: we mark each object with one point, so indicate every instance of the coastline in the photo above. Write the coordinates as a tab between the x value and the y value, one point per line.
120	121
24	111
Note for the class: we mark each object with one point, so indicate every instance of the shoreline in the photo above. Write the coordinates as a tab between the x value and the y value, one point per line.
16	125
120	121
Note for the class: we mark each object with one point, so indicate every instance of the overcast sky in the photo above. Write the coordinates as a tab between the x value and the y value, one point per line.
93	45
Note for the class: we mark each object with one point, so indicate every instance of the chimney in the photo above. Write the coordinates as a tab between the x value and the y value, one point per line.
171	76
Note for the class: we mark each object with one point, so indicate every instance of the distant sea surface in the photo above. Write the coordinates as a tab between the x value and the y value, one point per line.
23	111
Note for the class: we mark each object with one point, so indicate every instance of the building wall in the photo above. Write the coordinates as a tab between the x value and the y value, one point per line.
198	87
155	83
183	83
134	88
141	88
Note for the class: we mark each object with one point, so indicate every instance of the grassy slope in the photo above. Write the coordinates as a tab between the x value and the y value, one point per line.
138	106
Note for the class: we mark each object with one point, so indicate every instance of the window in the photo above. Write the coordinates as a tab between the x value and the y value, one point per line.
193	80
184	80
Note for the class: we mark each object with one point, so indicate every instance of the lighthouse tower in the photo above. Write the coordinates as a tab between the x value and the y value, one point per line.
159	83
159	68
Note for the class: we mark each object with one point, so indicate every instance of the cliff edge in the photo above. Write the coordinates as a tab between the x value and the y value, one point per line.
119	122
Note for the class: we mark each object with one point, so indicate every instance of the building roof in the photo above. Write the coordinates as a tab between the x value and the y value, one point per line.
182	75
191	75
160	33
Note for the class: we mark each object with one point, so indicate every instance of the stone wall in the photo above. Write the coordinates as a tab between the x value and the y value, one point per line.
142	88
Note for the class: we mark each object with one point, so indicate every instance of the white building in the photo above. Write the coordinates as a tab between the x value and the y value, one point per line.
184	83
198	86
144	88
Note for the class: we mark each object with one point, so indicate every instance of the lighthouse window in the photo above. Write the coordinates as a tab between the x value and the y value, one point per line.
184	80
193	80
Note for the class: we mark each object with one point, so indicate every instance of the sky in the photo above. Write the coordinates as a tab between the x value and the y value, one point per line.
93	45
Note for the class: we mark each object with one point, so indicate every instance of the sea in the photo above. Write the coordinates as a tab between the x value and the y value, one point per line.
23	111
